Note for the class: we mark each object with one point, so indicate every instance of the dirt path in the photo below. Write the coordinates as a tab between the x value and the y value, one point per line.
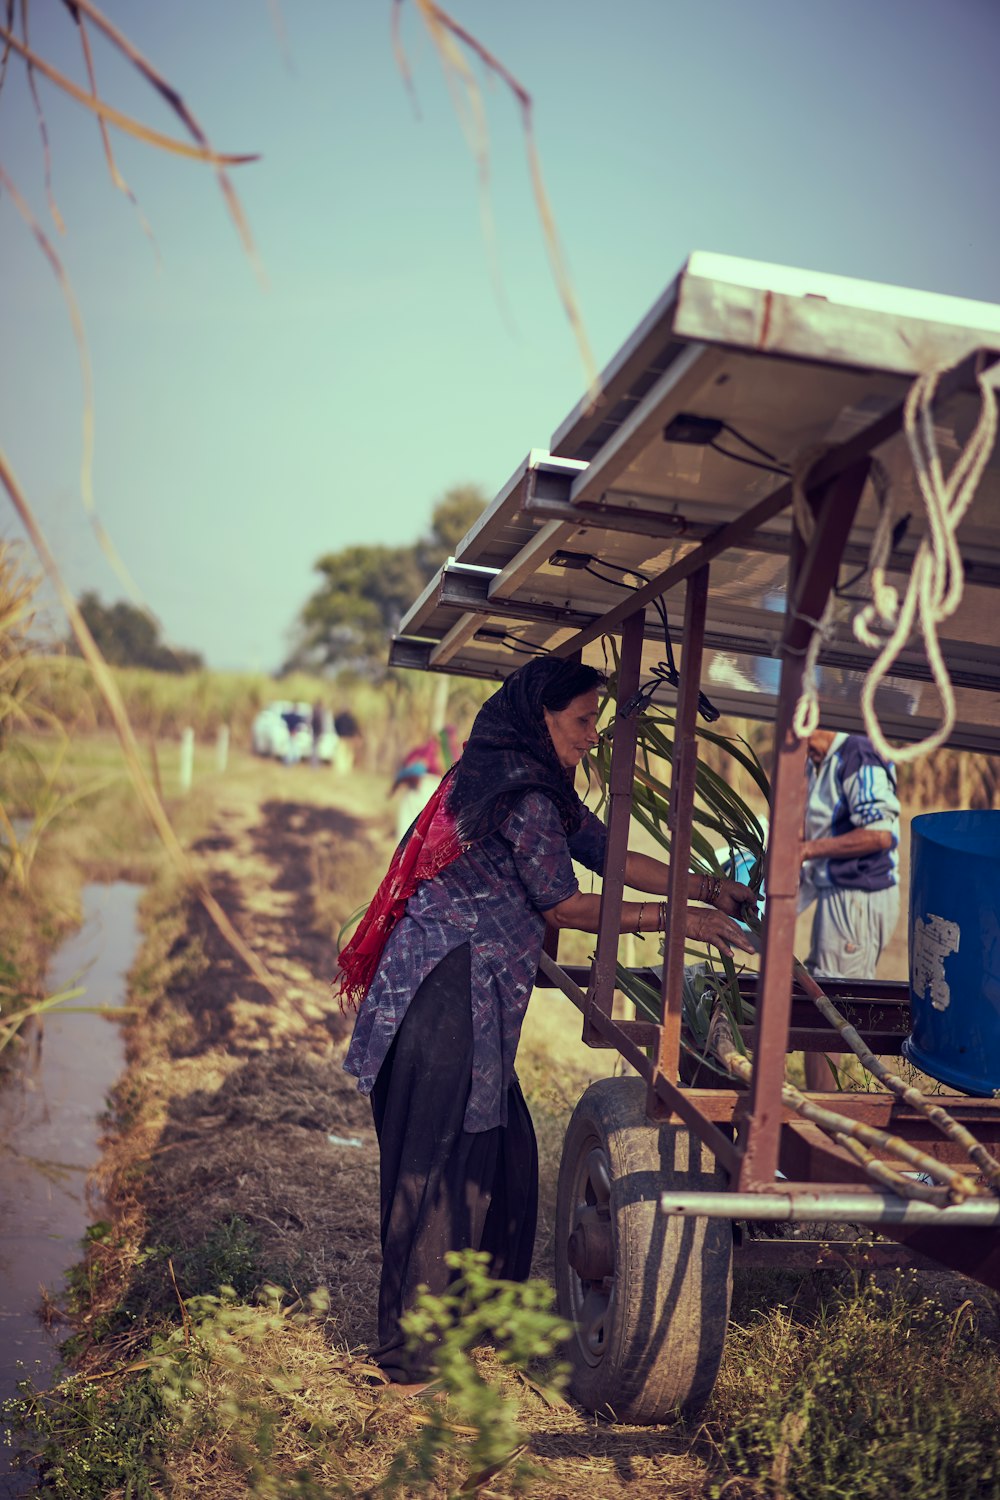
265	1167
264	1131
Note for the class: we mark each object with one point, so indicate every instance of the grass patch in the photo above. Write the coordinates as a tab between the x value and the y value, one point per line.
83	824
91	1441
879	1390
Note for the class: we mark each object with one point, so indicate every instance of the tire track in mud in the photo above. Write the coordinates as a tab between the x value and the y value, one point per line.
261	864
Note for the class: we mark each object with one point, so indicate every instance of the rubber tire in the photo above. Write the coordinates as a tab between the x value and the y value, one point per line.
665	1327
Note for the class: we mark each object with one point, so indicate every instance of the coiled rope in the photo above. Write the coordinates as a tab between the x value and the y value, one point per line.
937	577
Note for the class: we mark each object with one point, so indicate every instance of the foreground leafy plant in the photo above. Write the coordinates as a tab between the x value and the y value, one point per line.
476	1309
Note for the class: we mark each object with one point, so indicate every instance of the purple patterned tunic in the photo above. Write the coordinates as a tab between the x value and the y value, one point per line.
492	897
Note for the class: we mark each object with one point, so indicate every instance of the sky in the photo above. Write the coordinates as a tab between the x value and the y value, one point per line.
394	346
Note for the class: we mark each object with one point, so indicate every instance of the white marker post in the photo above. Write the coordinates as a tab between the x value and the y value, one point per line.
187	759
222	749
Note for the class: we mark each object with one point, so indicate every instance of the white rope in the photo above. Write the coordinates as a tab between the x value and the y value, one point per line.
885	600
802	512
806	716
937	577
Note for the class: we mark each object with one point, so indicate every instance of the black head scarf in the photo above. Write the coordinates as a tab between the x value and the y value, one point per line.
510	752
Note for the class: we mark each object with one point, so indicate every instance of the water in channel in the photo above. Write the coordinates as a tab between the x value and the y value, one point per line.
50	1106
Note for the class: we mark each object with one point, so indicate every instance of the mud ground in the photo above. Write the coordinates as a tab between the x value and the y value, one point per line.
264	1127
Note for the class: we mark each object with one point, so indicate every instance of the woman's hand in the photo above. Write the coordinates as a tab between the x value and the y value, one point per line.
733	897
709	925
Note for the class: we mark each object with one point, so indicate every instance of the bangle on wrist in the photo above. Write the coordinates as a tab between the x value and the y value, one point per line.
663	916
638	920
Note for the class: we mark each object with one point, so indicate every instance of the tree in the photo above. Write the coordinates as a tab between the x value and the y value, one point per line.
366	590
452	516
129	637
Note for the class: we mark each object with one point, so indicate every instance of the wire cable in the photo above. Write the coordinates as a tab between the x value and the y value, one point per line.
898	533
504	638
751	463
665	673
755	447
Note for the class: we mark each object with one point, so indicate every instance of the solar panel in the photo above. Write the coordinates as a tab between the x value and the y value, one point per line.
740	375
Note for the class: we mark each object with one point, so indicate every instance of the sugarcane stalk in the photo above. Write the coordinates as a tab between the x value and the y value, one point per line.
881	1172
949	1127
958	1184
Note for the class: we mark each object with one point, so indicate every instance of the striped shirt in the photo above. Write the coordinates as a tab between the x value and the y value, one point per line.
852	787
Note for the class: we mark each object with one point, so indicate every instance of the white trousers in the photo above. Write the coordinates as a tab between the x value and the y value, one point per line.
849	931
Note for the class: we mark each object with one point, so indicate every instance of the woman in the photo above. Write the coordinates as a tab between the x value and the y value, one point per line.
444	964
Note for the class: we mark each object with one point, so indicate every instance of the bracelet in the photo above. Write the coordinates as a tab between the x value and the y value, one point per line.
638	920
663	916
710	889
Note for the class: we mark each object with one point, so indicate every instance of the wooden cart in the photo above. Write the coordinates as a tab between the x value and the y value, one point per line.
726	458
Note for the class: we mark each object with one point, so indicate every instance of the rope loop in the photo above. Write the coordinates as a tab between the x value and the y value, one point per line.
937	577
806	717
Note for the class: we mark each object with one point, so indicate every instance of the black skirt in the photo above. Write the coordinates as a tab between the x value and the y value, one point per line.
442	1187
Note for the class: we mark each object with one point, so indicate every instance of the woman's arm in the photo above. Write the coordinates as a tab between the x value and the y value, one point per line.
542	859
644	873
703	924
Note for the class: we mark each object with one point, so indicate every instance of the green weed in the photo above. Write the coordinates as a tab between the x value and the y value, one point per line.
89	1442
229	1256
229	1379
516	1318
196	1382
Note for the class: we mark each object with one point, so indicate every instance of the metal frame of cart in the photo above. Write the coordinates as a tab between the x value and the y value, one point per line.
813	371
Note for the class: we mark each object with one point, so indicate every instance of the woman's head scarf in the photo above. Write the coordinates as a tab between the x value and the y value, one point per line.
510	751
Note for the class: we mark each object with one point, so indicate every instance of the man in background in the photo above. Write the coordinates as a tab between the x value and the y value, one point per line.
849	863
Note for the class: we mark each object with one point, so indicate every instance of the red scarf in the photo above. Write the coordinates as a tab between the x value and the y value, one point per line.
431	846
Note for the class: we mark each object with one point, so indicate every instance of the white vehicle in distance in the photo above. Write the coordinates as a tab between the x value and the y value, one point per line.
284	730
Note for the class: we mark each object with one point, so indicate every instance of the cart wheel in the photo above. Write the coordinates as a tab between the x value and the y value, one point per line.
648	1295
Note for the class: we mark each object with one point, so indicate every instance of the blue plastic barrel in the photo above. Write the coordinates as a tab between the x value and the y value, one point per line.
955	949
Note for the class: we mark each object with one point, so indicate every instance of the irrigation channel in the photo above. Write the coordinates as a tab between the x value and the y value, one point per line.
50	1107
